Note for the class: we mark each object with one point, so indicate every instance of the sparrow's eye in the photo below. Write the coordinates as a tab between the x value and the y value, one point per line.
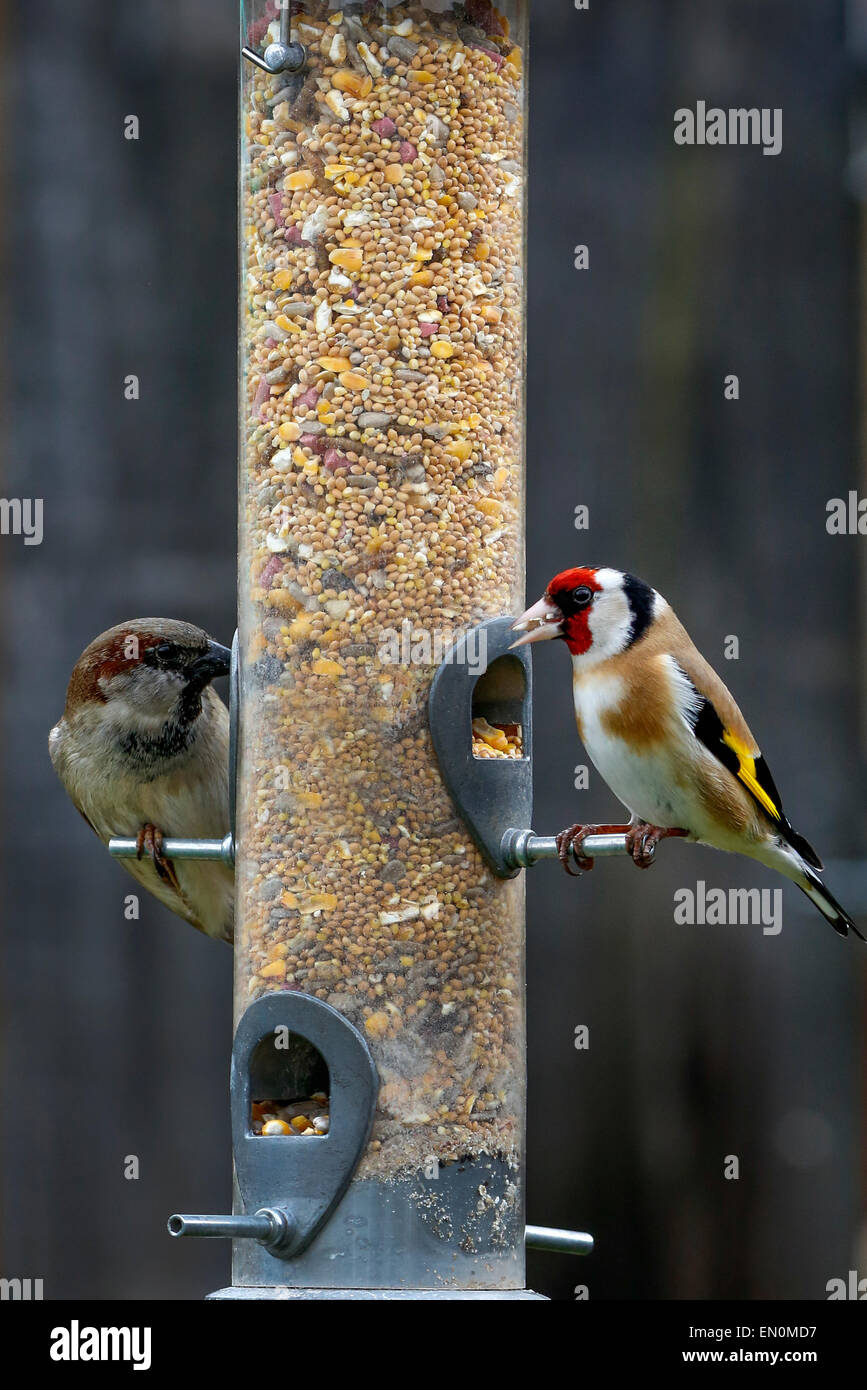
582	596
163	654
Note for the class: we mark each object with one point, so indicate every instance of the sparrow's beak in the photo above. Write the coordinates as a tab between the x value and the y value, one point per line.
214	661
544	620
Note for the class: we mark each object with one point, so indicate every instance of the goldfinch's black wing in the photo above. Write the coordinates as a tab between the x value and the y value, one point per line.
750	769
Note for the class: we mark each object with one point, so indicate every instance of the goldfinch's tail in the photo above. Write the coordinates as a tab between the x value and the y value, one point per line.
827	904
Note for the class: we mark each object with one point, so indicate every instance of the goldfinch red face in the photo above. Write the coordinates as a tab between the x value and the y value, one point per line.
597	612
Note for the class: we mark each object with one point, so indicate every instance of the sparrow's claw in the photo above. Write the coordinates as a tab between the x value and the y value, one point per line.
570	840
642	840
149	839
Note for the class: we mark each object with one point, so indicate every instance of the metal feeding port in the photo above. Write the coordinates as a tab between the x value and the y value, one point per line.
482	685
285	1047
481	689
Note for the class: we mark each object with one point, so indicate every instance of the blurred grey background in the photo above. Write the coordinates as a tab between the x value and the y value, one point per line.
704	1041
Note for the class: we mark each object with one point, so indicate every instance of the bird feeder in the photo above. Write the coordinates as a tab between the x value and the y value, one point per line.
383	727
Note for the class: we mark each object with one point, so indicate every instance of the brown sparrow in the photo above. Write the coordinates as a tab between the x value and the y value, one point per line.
143	750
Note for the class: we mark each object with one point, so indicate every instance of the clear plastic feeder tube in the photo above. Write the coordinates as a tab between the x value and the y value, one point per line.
381	485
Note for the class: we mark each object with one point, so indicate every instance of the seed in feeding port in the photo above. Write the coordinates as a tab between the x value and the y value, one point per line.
276	1127
320	1124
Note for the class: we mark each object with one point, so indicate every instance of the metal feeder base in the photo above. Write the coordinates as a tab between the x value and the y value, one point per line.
282	1293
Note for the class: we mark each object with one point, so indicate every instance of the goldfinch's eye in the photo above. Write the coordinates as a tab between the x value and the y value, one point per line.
582	596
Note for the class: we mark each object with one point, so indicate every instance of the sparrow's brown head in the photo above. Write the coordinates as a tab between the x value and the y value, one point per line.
148	669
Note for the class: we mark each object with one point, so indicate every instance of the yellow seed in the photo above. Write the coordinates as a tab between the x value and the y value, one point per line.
347	81
275	1126
301	1123
333	171
514	58
489	506
318	902
501	477
334	364
460	449
491	735
394	173
376	1025
288	325
275	971
421	75
301	627
302	178
289	431
353	381
422	277
490	314
347	257
299	456
482	251
442	349
281	598
282	279
324	667
313	799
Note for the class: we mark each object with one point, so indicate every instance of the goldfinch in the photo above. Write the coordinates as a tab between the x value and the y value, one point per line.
665	733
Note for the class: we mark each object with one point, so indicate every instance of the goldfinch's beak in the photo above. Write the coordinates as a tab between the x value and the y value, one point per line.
544	620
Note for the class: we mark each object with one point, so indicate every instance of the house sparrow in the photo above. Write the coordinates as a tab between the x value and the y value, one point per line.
143	750
665	733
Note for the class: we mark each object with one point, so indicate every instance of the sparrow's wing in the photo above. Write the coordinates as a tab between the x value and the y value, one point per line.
717	722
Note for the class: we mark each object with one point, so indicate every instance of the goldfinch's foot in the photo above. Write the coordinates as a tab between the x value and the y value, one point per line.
150	840
642	840
570	840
